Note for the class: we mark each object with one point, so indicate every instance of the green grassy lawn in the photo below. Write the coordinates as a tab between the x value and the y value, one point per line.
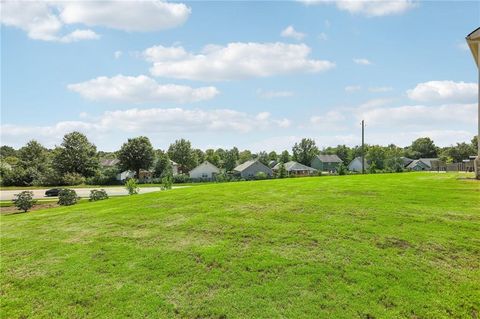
375	246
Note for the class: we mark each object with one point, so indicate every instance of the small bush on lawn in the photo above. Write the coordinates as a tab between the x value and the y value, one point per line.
261	175
181	178
67	197
167	182
24	200
96	194
132	186
72	179
342	170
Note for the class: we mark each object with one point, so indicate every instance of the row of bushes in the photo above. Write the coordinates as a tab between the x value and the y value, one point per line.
24	201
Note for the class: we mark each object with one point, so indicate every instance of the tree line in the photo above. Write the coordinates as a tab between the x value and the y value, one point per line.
76	160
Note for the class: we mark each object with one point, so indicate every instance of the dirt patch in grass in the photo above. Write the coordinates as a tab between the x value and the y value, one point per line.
14	210
393	242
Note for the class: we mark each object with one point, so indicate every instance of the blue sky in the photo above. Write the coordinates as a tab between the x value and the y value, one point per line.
257	75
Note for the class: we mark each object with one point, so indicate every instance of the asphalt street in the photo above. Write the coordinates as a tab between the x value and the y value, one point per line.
82	192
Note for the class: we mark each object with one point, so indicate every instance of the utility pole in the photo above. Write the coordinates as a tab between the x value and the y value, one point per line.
363	147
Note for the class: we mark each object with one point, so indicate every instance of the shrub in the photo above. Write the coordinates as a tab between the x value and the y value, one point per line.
67	197
342	170
282	172
167	182
72	179
222	177
107	176
261	175
181	178
24	200
96	194
132	186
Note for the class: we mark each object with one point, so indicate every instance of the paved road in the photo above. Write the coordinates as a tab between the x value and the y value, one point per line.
82	192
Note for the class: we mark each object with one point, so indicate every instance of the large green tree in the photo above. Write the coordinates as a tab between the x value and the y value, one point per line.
76	155
182	153
161	164
7	151
136	154
376	154
285	157
305	151
244	156
422	147
212	157
230	160
459	152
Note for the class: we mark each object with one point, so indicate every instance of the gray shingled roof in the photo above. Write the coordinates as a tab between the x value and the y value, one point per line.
243	166
109	162
426	161
329	158
295	166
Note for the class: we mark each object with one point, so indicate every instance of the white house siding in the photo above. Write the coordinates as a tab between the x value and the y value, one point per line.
206	170
356	165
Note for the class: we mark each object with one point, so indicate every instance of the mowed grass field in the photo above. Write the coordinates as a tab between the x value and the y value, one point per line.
375	246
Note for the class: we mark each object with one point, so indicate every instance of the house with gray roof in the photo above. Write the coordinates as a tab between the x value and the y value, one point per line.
421	164
250	169
406	161
325	163
295	169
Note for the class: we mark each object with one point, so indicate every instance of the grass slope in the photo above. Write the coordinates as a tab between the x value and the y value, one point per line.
376	246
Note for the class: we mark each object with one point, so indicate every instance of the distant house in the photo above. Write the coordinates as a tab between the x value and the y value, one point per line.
296	169
356	164
125	175
174	168
326	162
206	170
272	163
422	164
406	161
109	162
251	168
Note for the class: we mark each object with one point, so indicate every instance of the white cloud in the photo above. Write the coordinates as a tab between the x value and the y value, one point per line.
352	88
146	122
283	123
323	36
369	8
117	54
380	89
444	91
290	32
129	15
463	46
79	35
273	94
139	89
373	103
45	20
332	120
234	61
422	117
362	61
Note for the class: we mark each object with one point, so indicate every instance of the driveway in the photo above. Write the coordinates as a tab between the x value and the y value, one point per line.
82	192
